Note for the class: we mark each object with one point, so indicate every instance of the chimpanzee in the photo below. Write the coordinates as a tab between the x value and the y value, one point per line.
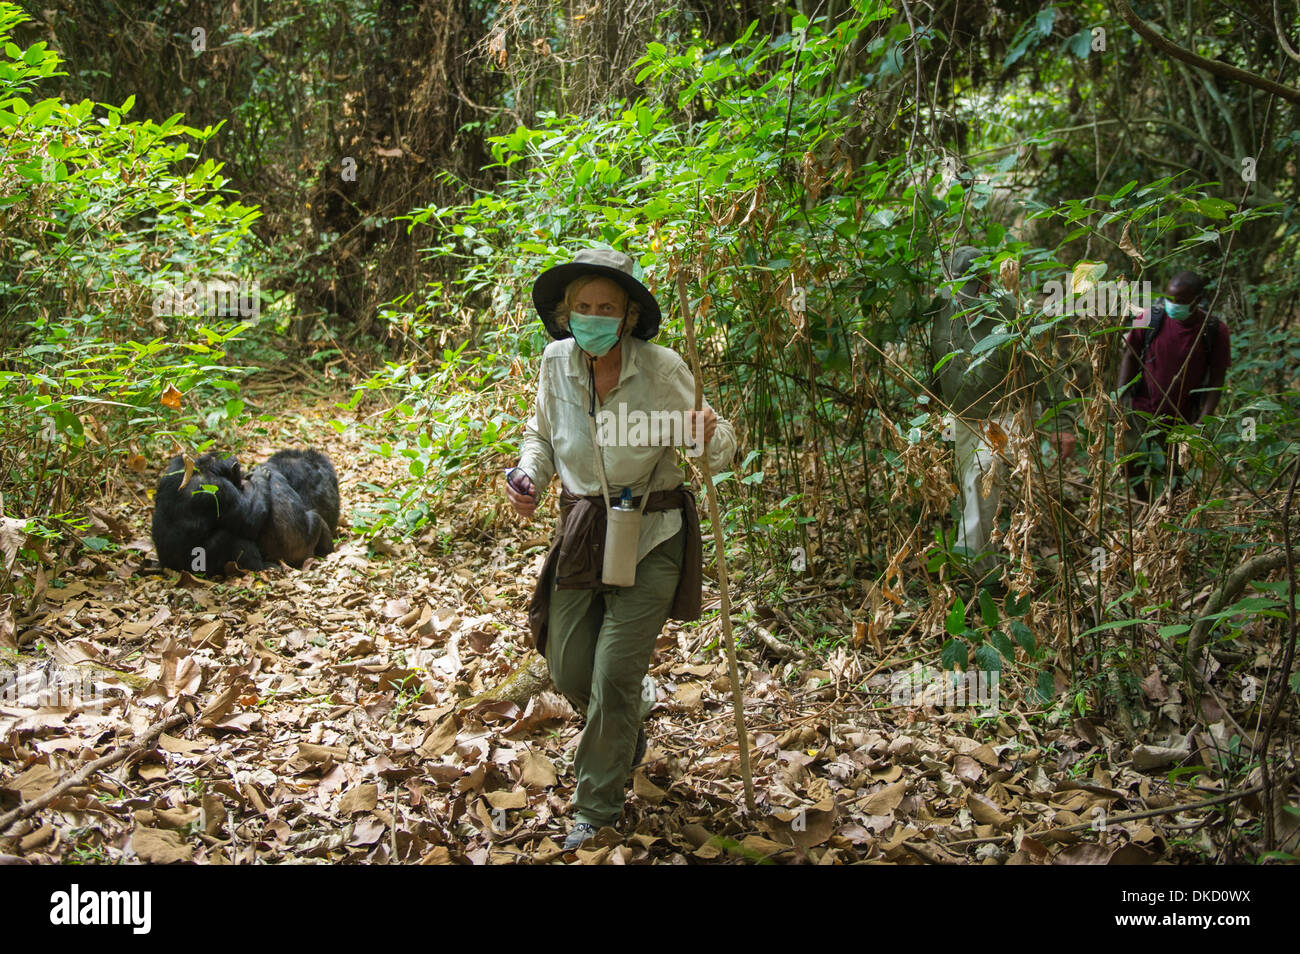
211	521
300	492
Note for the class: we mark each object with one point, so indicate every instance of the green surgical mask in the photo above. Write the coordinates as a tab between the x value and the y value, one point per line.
595	334
1176	311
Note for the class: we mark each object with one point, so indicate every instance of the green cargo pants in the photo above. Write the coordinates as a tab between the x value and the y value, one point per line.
598	650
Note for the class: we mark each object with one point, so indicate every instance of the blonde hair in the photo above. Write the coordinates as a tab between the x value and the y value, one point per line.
578	284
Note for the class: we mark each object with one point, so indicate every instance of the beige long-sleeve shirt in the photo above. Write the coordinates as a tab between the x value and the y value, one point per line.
638	424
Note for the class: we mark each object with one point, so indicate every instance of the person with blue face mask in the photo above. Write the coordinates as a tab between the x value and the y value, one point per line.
598	638
1175	362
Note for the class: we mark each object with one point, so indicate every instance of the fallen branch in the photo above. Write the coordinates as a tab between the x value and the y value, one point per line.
1119	819
778	647
1237	581
13	660
90	768
523	682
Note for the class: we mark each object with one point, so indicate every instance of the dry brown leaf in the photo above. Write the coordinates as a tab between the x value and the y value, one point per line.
967	769
439	739
367	830
363	798
997	437
1085	853
689	695
985	812
34	782
516	798
1129	247
756	848
437	856
157	847
214	813
884	801
1132	855
647	790
210	634
1147	758
175	817
171	398
309	752
537	771
169	743
981	751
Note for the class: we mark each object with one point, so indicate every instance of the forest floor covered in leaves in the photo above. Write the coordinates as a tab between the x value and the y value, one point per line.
344	713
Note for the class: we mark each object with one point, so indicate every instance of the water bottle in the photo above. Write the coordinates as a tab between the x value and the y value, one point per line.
622	535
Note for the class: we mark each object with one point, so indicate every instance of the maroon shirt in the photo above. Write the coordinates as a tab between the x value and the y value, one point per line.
1175	365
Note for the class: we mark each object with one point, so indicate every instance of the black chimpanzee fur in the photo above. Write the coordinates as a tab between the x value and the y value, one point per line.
286	509
301	492
209	522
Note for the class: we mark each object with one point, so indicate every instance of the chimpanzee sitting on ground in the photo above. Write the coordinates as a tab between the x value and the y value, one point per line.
286	509
210	521
301	495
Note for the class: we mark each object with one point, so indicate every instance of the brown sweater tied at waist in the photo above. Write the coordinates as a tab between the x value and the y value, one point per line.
576	559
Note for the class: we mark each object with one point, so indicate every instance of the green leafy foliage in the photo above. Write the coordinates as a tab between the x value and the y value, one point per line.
98	216
812	251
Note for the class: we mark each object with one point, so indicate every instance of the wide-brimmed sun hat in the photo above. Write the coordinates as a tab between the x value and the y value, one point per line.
548	290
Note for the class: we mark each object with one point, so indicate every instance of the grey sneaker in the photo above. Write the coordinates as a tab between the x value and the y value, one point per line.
580	833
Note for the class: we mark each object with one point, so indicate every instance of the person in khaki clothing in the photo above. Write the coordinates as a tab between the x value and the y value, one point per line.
597	638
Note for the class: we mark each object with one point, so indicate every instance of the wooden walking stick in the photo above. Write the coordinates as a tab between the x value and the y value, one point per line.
719	547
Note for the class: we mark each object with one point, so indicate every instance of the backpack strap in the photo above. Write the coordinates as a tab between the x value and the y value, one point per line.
1152	329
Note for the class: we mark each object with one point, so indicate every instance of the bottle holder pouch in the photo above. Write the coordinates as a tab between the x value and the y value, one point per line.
622	535
622	527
